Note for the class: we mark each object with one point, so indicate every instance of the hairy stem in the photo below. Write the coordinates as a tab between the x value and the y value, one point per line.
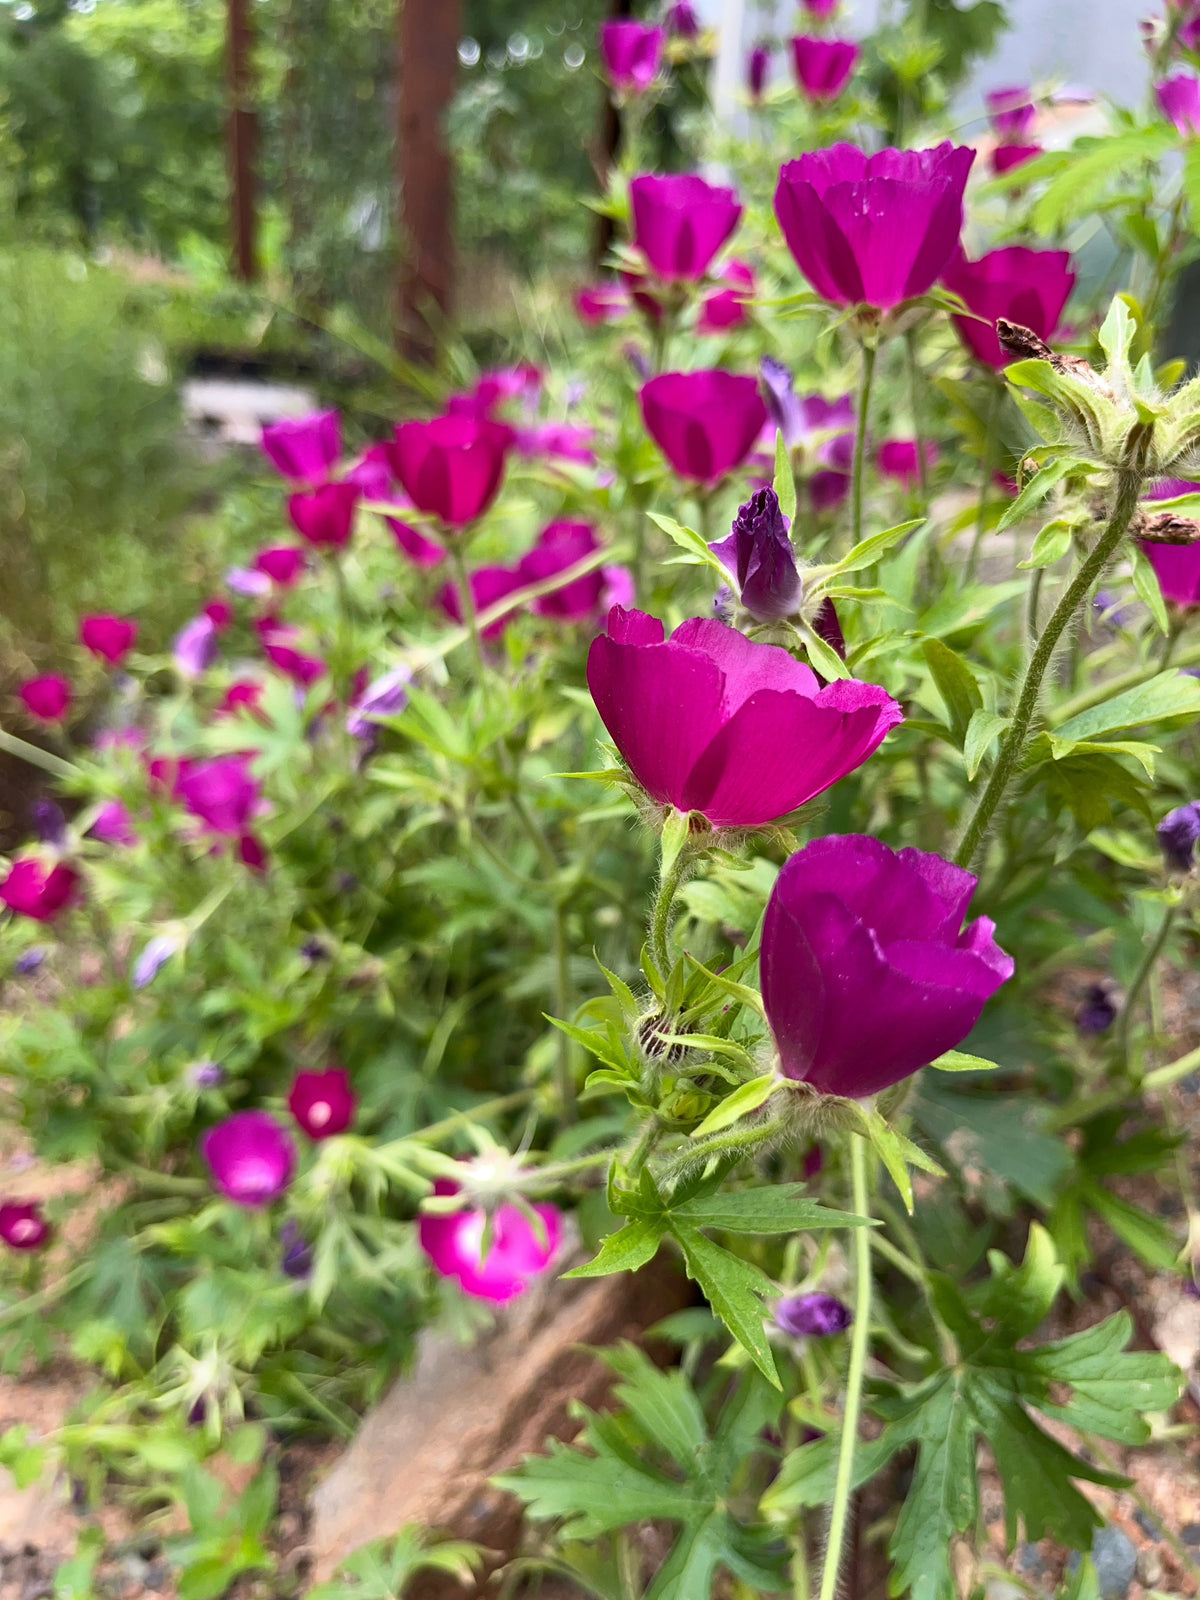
467	601
660	917
860	435
1012	747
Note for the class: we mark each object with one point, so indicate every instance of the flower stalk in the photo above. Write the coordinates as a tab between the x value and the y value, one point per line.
869	352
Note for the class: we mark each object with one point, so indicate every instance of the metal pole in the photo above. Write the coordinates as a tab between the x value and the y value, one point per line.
429	33
243	140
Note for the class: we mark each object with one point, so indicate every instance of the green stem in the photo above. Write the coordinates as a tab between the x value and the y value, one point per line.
844	1486
660	917
565	1063
36	756
1140	980
860	435
989	465
1012	747
461	1119
914	389
467	600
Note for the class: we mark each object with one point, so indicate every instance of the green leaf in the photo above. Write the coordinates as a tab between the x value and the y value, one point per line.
1039	486
943	1499
785	478
1146	1234
1170	695
959	1061
780	1208
1147	587
955	683
692	543
1117	334
869	551
749	1097
1051	544
984	729
625	1250
734	1289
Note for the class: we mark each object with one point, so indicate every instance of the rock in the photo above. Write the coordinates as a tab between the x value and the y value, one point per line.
1116	1557
426	1453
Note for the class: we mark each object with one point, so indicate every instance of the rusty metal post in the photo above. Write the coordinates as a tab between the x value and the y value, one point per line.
429	34
243	140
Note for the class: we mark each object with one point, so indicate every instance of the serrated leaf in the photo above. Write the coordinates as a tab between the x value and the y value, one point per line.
625	1250
779	1208
734	1289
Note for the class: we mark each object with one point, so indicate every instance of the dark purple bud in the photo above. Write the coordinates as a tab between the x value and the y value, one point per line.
758	65
29	960
1177	834
199	1411
812	1316
49	823
682	20
783	406
828	627
1098	1011
297	1255
314	950
760	552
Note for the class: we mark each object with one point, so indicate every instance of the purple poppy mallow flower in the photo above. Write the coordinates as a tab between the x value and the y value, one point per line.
489	585
709	721
324	517
1097	1011
22	1225
1178	833
386	696
759	553
29	960
1031	287
632	53
296	1254
898	459
873	230
1179	101
323	1103
251	1157
705	423
195	646
812	1316
1011	113
1177	568
246	581
451	466
40	889
867	972
518	1252
680	222
154	957
682	20
823	67
47	698
222	793
49	823
304	449
113	825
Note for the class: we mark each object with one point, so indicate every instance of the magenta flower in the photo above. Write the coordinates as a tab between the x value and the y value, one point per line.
195	646
22	1225
680	222
251	1157
304	449
823	67
489	585
1177	568
111	638
556	441
760	554
244	694
867	972
282	563
281	646
1011	113
597	303
113	825
758	70
518	1252
452	467
1006	157
873	230
221	793
705	423
560	546
683	21
324	517
897	459
710	722
39	889
323	1103
632	54
48	699
1031	287
1179	100
411	542
1178	833
812	1316
219	613
727	308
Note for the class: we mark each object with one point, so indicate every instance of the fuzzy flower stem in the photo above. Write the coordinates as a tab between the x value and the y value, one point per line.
467	598
914	390
660	917
860	436
1012	748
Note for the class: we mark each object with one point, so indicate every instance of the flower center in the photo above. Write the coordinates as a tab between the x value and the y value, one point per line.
254	1178
320	1113
25	1228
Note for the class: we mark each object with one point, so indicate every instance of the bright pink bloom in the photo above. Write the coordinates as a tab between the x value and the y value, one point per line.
1179	100
281	648
601	302
245	694
517	1255
422	552
48	698
322	1102
1031	287
873	230
219	613
711	722
251	1156
451	467
325	516
727	308
1011	113
22	1225
558	441
113	825
488	586
632	55
705	423
304	449
898	459
282	563
680	222
1007	157
495	389
560	546
252	852
1177	568
823	67
39	889
111	638
222	793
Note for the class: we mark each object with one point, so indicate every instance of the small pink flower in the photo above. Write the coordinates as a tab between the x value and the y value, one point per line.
282	563
516	1256
37	889
632	54
1005	157
322	1103
727	308
898	459
22	1225
243	695
48	698
219	613
304	449
222	794
823	67
422	552
601	302
113	825
324	517
111	638
251	1157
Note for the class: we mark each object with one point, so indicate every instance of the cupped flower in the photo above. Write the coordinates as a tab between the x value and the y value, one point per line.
519	1250
113	825
39	888
451	467
873	230
324	517
1007	157
222	793
560	546
867	972
22	1225
1179	101
899	459
323	1103
705	423
109	637
1178	834
632	53
598	303
1011	113
680	222
711	722
304	449
251	1158
823	67
281	563
726	308
682	20
1177	568
812	1316
760	555
1030	287
1098	1009
489	585
47	698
